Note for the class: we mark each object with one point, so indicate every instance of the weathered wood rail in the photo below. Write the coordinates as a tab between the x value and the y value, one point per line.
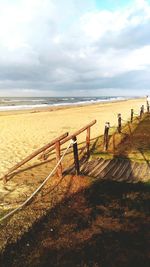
75	147
56	145
86	127
33	155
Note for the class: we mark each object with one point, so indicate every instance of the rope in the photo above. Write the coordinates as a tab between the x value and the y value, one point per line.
38	189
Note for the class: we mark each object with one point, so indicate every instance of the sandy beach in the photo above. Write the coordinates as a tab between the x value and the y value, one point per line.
22	132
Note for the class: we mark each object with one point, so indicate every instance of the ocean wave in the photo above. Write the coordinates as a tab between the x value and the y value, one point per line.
21	107
20	100
32	103
90	101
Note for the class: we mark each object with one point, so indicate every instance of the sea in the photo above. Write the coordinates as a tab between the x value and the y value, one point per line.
22	103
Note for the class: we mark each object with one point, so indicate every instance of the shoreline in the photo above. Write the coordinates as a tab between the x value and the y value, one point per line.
62	107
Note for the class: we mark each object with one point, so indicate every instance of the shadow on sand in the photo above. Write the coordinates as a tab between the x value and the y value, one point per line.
104	225
107	224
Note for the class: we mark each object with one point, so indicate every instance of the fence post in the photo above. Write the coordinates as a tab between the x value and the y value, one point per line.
132	112
59	168
76	158
88	141
119	123
106	136
147	103
141	111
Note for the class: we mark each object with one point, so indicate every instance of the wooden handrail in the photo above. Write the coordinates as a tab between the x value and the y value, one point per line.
58	157
34	154
78	132
50	147
69	137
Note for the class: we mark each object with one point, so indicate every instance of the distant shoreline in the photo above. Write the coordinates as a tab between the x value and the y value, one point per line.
48	108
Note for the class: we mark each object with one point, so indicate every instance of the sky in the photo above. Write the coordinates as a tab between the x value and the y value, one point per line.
74	47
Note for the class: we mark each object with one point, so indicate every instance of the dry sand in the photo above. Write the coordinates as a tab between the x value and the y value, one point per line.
23	132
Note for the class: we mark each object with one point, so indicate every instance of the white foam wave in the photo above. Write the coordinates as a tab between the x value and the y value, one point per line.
83	102
21	107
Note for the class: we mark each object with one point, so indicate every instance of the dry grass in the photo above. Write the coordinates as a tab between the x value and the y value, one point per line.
133	143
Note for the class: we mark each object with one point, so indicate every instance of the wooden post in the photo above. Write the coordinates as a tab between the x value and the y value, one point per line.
70	137
132	112
141	112
147	103
76	158
119	123
88	141
58	156
106	136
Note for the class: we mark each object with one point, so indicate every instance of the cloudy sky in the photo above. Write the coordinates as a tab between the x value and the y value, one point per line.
74	47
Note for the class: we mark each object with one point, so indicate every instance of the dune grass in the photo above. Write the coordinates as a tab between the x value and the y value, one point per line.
133	142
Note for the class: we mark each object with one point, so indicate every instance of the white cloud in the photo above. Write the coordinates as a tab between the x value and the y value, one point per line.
96	25
54	46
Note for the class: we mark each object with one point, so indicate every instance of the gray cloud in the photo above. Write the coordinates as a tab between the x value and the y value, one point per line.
54	52
130	38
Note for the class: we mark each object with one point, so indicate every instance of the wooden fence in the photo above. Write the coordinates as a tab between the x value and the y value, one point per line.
56	145
119	126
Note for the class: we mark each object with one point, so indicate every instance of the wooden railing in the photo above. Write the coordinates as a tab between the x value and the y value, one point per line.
56	144
33	155
87	127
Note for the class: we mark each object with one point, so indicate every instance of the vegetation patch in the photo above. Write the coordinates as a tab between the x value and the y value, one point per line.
133	142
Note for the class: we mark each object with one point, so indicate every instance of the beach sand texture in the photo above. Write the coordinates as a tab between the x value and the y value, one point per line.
23	132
